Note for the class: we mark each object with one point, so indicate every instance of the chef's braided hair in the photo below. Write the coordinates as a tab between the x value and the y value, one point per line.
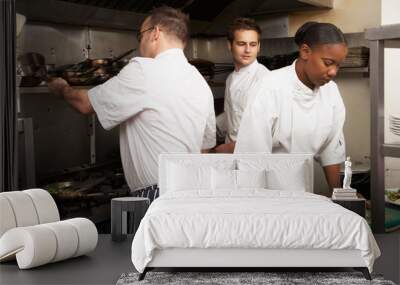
172	21
314	33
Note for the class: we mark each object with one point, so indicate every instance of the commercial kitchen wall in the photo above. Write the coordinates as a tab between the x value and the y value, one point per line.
62	44
351	17
55	123
60	133
355	16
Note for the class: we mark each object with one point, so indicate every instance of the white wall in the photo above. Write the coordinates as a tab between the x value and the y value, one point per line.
390	14
351	16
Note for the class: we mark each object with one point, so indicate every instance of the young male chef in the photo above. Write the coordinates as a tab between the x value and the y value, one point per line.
244	43
160	102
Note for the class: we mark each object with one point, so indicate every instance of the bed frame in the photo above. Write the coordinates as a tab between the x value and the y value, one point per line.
249	259
242	259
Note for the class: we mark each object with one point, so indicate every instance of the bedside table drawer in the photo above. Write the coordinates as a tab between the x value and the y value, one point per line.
357	206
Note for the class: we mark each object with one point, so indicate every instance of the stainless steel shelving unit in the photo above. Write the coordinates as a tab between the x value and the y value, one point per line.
379	150
44	89
28	132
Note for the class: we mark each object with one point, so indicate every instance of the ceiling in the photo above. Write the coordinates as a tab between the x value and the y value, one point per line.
207	16
203	10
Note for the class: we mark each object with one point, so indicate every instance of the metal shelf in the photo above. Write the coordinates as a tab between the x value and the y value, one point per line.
391	150
356	71
387	32
379	150
45	89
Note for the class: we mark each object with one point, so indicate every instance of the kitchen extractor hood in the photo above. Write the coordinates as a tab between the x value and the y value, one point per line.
128	14
207	10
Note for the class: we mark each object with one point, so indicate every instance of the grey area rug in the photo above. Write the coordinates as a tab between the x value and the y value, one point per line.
243	278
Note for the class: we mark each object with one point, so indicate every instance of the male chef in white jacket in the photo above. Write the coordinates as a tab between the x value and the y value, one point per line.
160	102
244	43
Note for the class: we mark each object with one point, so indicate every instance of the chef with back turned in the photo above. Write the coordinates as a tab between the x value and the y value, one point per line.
161	103
244	43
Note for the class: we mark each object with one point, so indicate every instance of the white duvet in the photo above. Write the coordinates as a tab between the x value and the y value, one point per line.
250	219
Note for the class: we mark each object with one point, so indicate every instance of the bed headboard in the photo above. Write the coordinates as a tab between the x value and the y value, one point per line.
285	164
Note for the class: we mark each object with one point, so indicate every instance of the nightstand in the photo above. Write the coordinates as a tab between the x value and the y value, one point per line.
119	206
356	205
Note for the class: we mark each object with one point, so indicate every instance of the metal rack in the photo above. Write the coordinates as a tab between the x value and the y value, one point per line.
379	149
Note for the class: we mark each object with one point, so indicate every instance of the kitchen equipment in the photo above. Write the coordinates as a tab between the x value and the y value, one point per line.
278	61
392	196
209	69
90	65
394	124
32	64
60	186
356	57
93	71
21	20
33	69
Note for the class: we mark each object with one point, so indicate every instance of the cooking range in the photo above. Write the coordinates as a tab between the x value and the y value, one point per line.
87	191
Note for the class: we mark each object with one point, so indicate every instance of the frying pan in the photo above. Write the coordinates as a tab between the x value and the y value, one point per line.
33	69
32	64
88	72
93	71
96	63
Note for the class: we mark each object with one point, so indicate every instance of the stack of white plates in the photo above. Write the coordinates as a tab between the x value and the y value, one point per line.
394	124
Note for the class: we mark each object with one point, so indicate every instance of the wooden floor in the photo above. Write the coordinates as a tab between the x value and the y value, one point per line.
111	259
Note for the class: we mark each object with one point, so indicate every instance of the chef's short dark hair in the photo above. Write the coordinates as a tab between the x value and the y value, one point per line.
314	33
243	24
172	21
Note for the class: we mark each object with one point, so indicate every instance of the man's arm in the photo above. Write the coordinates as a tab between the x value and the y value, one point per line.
225	148
222	148
77	98
332	175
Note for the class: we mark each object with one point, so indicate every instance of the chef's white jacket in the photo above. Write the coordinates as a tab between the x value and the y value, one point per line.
240	87
288	117
162	104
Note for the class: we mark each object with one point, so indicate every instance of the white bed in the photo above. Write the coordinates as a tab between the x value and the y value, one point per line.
203	220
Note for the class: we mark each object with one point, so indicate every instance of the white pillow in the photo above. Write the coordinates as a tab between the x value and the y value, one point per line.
292	179
223	179
280	174
251	178
188	177
223	164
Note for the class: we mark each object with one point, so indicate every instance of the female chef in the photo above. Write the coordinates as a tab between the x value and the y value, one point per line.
299	109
